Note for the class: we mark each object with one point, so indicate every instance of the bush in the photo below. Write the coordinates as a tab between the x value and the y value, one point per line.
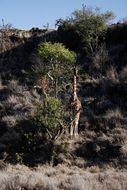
57	65
32	146
84	30
50	118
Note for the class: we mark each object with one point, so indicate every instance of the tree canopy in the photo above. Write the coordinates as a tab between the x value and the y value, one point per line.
55	53
57	65
81	31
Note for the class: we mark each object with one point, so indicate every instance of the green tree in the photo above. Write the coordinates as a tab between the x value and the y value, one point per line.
50	118
85	27
57	65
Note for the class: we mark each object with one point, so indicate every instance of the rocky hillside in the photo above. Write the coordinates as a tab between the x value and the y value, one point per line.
17	47
102	89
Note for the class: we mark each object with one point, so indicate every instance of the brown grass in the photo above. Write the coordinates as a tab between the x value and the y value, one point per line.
2	86
116	114
62	177
112	75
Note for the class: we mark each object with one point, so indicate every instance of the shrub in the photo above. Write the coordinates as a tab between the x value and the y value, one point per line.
50	118
84	29
123	77
57	64
100	59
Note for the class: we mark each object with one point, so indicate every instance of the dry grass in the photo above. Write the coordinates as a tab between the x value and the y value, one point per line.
12	99
123	76
112	75
62	177
2	87
20	103
10	120
100	58
116	114
124	149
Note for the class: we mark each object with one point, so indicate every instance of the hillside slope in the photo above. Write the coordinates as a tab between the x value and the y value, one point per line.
102	89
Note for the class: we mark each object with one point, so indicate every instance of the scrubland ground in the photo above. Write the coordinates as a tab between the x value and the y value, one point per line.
62	177
97	159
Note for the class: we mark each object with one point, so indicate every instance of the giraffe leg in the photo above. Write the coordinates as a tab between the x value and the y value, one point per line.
76	124
76	128
72	129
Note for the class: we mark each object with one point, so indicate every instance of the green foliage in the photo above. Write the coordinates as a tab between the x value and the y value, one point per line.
56	53
37	134
57	65
63	148
50	117
28	144
31	145
30	140
86	26
53	156
19	157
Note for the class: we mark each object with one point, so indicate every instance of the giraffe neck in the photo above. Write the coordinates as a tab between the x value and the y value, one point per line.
75	87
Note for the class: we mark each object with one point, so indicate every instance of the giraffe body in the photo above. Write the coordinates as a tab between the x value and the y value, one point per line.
76	107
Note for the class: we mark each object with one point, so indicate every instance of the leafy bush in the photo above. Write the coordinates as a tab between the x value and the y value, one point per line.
57	64
55	53
32	146
50	118
82	31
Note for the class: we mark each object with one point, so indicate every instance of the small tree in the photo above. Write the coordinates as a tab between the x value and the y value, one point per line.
50	118
57	64
86	26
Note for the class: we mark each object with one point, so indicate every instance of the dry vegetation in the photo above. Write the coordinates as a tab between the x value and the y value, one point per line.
62	177
97	159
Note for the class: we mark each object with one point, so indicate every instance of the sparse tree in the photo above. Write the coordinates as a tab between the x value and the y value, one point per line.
82	31
57	64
